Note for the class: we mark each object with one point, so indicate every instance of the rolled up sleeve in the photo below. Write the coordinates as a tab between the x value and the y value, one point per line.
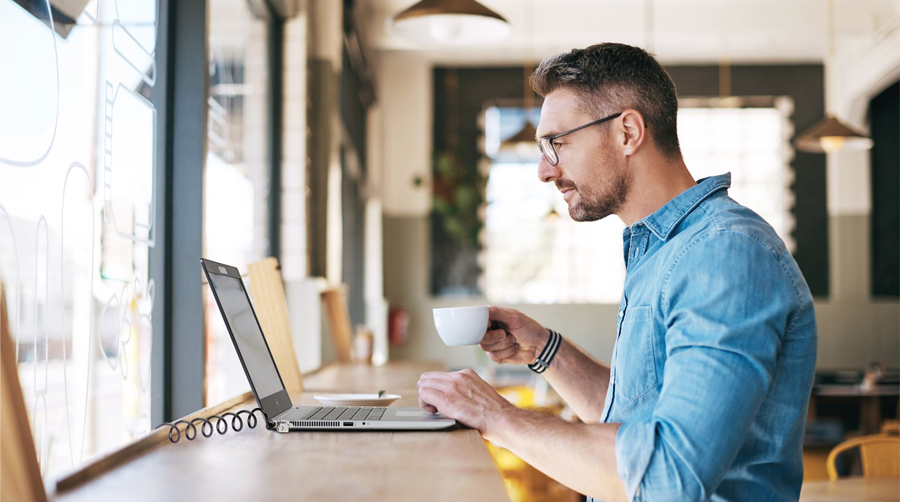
635	444
723	332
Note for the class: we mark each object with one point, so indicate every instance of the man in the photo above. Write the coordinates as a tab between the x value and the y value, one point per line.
706	395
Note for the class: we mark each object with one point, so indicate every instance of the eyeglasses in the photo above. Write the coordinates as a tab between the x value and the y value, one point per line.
546	144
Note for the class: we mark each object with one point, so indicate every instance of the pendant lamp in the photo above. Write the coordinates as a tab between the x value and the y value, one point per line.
830	134
450	23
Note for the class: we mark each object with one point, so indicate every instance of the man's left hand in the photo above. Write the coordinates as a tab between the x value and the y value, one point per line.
464	396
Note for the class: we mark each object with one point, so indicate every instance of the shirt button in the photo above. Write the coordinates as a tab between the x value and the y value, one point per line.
621	314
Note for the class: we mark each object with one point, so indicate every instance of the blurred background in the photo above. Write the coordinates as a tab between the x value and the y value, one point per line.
386	151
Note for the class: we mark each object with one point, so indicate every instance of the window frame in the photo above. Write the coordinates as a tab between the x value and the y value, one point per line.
178	351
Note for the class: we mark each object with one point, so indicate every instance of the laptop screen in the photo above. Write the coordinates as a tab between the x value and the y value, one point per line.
246	333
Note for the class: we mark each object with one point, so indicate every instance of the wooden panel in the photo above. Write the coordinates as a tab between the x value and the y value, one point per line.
270	305
335	303
19	469
257	464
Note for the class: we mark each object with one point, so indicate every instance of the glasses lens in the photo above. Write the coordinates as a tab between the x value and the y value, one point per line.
549	152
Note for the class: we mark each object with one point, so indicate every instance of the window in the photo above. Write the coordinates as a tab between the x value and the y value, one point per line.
77	199
238	164
535	253
752	142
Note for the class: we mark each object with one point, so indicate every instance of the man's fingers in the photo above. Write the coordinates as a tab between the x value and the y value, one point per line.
438	381
501	355
425	405
503	315
434	376
497	340
432	400
493	336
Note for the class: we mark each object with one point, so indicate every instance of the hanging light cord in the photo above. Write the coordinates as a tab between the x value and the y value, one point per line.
724	78
829	62
529	57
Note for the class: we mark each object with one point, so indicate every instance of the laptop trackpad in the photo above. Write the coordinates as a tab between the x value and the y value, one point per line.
414	413
418	415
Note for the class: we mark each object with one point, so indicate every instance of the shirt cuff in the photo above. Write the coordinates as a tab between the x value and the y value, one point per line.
635	443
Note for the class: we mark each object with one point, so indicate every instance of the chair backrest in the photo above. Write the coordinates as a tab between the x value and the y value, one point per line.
270	305
338	321
19	469
880	455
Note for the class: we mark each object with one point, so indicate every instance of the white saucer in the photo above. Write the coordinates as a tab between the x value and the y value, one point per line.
356	399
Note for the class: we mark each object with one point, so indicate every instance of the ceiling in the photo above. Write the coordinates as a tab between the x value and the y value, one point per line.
679	31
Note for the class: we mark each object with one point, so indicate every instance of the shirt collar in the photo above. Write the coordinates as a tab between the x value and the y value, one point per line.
664	219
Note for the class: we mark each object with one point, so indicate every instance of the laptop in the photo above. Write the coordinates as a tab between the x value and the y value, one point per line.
268	388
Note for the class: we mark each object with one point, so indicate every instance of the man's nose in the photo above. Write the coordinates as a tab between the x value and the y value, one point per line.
546	171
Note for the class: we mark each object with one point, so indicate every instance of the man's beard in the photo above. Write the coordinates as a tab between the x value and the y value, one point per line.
596	205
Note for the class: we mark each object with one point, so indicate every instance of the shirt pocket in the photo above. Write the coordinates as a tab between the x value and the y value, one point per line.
636	354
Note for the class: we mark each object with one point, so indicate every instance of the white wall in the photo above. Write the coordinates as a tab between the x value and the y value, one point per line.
376	303
293	161
861	70
405	96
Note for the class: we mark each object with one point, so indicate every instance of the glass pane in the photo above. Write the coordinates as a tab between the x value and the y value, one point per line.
77	199
751	144
237	169
534	251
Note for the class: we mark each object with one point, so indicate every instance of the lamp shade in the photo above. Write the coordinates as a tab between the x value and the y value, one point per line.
522	142
830	135
450	23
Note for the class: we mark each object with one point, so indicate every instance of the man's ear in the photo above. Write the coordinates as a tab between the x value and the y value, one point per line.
634	131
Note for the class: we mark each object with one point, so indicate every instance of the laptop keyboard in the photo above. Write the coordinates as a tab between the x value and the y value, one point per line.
347	413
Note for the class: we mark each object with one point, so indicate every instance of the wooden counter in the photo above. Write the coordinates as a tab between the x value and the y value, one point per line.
257	464
855	489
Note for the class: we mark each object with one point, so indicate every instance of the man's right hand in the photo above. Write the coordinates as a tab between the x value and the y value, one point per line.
513	337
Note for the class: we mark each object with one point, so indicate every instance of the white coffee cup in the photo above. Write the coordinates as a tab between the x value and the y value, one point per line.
461	325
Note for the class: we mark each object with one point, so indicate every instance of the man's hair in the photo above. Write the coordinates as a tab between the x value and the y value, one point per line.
610	78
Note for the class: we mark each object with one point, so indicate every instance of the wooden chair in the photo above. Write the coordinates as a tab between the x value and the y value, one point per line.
890	427
270	305
19	469
880	454
334	300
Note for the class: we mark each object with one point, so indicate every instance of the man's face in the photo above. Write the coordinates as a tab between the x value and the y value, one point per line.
591	173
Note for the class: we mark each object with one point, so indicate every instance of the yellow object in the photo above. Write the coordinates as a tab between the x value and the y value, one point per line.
519	395
523	482
891	427
270	305
880	454
335	301
19	468
815	461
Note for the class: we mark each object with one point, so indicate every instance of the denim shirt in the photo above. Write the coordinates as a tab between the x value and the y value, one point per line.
714	357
